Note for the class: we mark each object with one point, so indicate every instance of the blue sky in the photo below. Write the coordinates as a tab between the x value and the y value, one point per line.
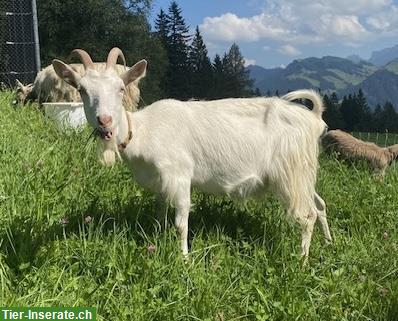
273	33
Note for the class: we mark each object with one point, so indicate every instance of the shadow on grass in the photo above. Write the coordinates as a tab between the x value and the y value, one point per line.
25	237
392	314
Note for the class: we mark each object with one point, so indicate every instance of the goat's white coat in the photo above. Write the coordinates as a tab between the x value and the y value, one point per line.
242	147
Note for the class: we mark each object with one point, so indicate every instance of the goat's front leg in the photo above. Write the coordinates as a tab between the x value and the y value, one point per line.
183	204
162	207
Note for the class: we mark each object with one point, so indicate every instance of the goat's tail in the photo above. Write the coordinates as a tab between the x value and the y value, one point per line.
311	95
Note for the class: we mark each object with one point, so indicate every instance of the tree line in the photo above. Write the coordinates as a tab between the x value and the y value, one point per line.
190	72
178	62
353	113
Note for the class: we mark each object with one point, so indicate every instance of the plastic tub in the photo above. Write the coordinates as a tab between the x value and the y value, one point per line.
66	114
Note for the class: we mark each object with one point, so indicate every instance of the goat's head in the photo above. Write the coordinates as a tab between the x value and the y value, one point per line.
101	92
393	149
22	92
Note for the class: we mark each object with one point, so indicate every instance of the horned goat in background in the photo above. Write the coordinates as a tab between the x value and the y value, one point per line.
349	147
243	147
48	87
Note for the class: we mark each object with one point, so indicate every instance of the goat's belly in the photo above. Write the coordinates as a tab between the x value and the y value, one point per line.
145	174
242	187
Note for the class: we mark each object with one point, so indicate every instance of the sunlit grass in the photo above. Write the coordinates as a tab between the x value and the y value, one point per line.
74	233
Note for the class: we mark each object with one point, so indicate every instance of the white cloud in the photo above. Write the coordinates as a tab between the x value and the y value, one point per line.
249	62
385	21
297	22
344	27
230	27
289	50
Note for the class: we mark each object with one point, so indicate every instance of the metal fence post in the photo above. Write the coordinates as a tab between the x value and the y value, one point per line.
36	35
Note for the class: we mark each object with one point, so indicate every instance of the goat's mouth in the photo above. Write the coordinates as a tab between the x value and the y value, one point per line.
104	133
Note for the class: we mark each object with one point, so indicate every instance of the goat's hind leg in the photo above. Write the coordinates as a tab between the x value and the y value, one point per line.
321	213
307	228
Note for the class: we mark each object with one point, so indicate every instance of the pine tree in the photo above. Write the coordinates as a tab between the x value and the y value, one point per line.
240	85
162	33
377	119
200	67
389	118
162	27
364	113
178	86
257	92
332	114
218	79
348	112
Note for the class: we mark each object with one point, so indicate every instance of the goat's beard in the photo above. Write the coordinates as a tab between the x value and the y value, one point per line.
107	151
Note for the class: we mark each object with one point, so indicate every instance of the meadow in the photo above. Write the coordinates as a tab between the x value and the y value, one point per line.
75	233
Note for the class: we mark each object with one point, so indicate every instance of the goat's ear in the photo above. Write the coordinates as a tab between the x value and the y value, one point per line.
19	84
138	71
66	72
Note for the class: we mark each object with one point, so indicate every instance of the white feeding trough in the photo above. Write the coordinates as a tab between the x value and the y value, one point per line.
67	115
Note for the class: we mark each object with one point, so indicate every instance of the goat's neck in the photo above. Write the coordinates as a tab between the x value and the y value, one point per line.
123	127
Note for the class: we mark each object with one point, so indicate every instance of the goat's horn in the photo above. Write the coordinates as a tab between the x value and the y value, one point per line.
113	55
84	57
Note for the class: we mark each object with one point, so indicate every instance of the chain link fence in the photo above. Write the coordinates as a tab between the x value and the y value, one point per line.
19	43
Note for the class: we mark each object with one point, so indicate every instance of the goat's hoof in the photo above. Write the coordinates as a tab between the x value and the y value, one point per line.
328	241
305	261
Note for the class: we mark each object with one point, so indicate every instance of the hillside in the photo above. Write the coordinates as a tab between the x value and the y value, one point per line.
379	87
384	56
327	73
332	74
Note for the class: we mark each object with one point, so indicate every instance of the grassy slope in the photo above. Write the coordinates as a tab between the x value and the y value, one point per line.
243	263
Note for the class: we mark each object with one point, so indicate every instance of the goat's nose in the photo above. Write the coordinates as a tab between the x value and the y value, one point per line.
104	120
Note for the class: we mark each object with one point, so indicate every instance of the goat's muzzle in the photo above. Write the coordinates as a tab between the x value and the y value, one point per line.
104	123
103	133
107	135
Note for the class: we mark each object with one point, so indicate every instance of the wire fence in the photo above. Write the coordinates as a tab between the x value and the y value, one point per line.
18	42
381	139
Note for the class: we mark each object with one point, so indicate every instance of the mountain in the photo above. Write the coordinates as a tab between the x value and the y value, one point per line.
327	73
332	74
384	56
355	58
392	66
379	87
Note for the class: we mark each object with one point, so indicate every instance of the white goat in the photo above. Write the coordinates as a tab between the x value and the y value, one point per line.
48	87
241	147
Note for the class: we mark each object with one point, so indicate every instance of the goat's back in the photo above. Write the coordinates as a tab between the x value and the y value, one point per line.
226	144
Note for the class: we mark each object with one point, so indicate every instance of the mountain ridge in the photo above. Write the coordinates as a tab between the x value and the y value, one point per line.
332	74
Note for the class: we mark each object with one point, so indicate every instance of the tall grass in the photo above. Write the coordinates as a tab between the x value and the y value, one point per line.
74	233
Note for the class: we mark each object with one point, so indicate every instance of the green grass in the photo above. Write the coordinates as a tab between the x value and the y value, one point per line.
244	262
